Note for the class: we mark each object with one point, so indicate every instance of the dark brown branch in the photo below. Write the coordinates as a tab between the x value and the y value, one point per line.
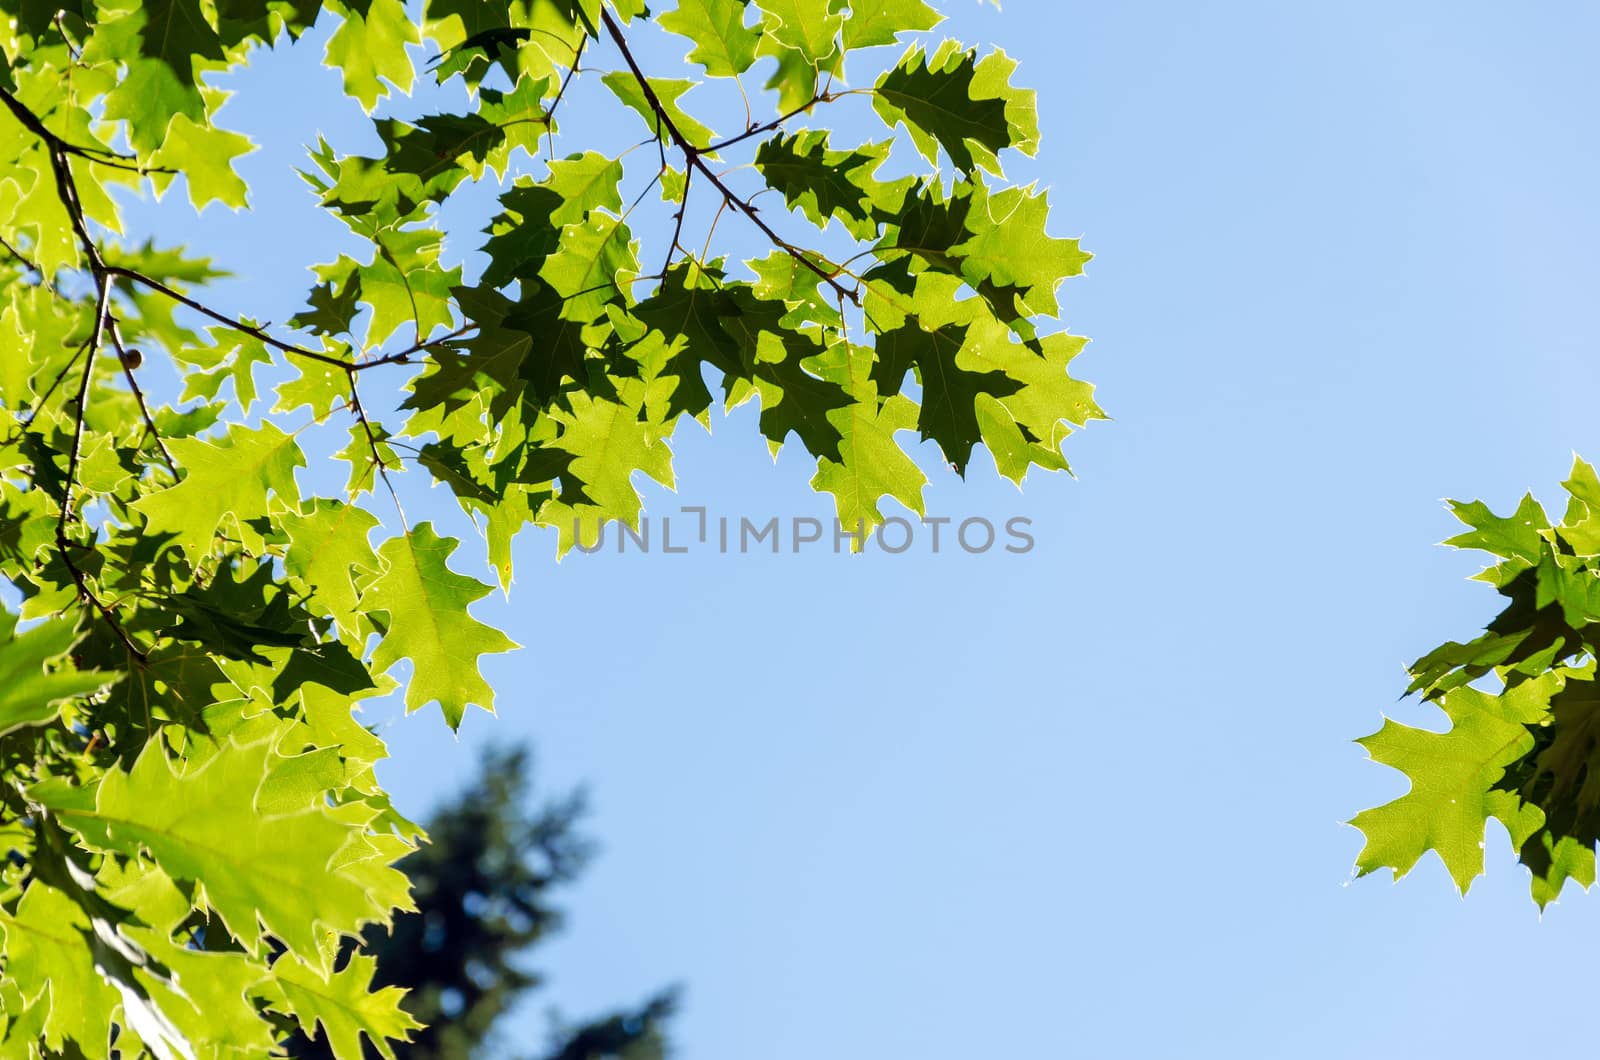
257	333
72	49
54	143
61	154
222	318
63	543
693	156
677	225
67	191
402	357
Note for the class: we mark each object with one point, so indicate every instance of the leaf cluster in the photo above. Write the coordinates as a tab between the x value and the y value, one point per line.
1523	746
189	808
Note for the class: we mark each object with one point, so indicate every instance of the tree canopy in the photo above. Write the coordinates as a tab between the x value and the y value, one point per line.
193	822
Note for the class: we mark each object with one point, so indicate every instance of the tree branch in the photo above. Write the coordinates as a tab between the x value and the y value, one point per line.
677	225
34	124
766	127
22	259
402	357
692	155
63	543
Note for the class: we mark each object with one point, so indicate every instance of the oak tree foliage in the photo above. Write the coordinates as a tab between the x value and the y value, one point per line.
1523	705
189	808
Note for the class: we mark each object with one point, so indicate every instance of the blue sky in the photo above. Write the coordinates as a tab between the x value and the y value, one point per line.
1086	801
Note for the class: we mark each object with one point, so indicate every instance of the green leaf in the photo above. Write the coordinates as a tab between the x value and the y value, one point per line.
949	390
1558	860
521	351
951	100
667	91
595	264
882	22
429	624
1453	776
30	690
687	311
205	156
405	284
808	27
1036	416
1580	528
211	1002
1514	537
320	385
176	33
369	47
237	612
584	182
291	872
827	184
1009	248
724	45
335	301
608	443
345	1005
234	358
148	98
794	78
521	236
49	958
793	398
330	554
228	479
870	465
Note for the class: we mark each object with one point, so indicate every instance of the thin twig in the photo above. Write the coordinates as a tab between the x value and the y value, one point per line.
22	258
237	325
401	356
67	191
63	543
677	227
692	155
138	397
705	251
577	57
372	443
33	413
54	143
766	127
101	311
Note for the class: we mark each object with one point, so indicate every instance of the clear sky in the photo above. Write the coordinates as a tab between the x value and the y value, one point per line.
1087	801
